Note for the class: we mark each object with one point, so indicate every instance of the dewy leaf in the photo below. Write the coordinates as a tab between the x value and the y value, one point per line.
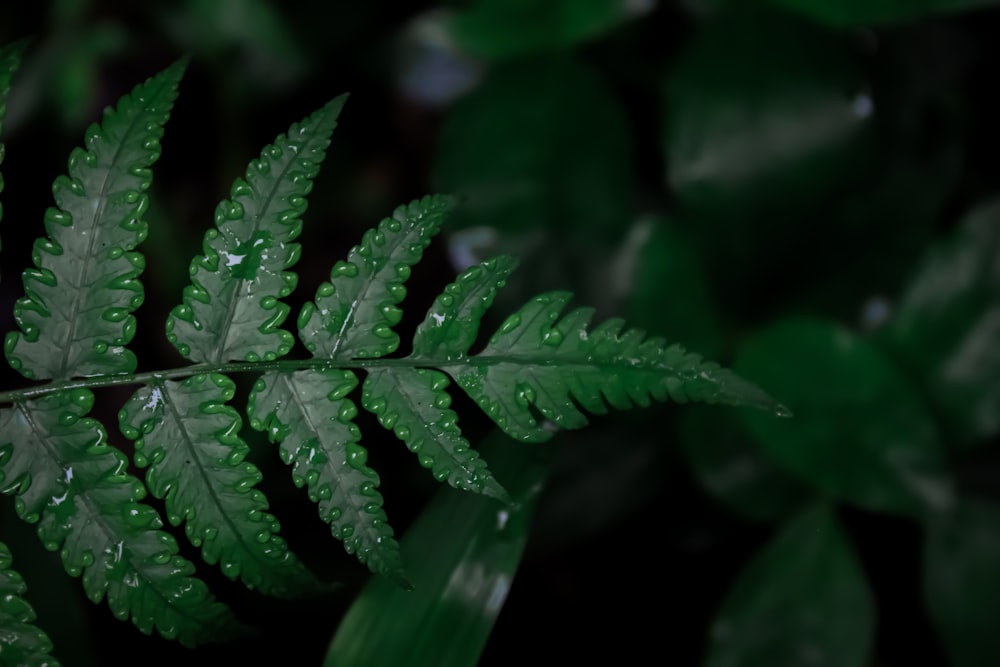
355	311
10	60
962	583
75	317
537	361
463	554
803	600
946	326
861	432
21	642
307	412
231	309
58	463
413	403
188	438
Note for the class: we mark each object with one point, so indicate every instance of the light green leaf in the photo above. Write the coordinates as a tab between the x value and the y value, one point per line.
537	361
413	403
21	642
57	461
462	554
803	600
861	433
75	317
355	311
308	414
231	309
188	438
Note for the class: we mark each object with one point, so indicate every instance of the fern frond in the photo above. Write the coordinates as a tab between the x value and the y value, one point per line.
57	461
188	438
21	642
354	312
75	318
307	412
538	362
10	60
231	309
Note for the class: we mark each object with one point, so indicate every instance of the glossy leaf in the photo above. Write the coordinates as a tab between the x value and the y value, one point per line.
308	414
21	641
57	461
961	582
231	309
413	403
734	469
188	439
507	28
462	554
587	367
353	314
75	317
946	324
802	600
10	60
861	433
847	13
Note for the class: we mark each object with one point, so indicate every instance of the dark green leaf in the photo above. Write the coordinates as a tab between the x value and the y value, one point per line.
10	60
946	326
962	582
21	642
860	433
462	554
803	600
845	13
506	28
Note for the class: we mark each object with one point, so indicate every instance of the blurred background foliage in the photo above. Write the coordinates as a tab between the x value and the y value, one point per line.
805	189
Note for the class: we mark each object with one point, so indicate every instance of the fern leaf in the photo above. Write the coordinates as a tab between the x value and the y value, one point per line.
295	410
21	642
10	60
65	475
188	438
231	310
539	362
354	312
75	318
413	403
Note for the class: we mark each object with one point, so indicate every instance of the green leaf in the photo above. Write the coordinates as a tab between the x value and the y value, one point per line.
848	13
733	468
961	582
355	311
861	433
462	554
231	309
539	362
802	600
413	403
21	642
75	317
188	438
946	325
58	463
541	146
508	28
307	412
10	60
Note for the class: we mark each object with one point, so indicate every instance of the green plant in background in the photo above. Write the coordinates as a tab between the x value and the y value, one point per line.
537	374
